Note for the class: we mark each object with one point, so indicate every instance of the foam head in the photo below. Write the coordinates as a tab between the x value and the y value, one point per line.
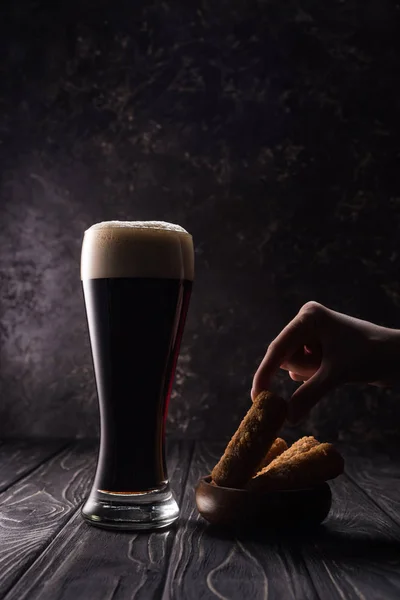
137	249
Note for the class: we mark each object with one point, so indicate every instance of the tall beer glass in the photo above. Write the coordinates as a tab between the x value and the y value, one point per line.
137	279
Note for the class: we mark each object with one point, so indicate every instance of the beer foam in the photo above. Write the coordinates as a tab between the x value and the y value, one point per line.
159	225
158	249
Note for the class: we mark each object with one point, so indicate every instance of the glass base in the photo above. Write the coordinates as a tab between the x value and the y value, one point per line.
151	510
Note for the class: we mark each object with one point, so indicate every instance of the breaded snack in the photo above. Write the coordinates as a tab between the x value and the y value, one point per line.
278	447
252	440
304	469
304	444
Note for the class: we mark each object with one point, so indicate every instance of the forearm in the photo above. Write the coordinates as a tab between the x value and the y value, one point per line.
388	355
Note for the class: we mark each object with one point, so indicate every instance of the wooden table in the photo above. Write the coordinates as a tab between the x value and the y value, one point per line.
48	552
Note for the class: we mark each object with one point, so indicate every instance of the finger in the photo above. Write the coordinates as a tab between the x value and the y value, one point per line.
296	376
303	360
303	373
284	346
308	394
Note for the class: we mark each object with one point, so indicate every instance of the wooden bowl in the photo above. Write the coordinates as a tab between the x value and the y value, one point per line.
230	507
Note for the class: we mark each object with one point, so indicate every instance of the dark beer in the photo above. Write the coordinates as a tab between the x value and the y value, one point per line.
137	325
137	279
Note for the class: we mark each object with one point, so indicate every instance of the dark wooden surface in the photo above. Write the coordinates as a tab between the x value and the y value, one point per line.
48	552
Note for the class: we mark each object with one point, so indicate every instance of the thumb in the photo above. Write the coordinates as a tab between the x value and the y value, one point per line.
309	393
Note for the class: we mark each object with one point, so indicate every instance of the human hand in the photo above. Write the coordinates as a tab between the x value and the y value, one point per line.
324	349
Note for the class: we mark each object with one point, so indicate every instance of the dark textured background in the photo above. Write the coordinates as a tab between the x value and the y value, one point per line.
270	130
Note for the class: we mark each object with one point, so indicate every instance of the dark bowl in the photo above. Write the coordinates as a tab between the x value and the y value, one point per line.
228	507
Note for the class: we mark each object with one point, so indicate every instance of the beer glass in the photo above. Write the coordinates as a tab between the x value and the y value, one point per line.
137	279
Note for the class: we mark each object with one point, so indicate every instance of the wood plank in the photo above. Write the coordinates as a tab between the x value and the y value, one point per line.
34	510
357	554
84	562
206	564
378	474
18	458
